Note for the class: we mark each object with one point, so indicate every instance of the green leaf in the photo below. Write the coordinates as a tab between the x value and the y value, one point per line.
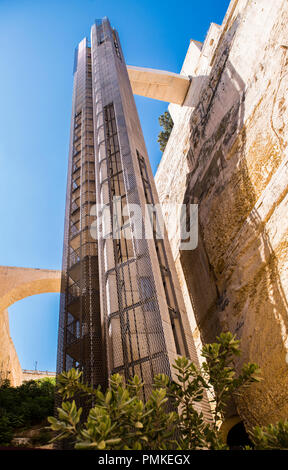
108	397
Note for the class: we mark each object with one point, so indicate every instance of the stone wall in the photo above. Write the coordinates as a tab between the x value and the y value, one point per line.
36	375
10	367
228	153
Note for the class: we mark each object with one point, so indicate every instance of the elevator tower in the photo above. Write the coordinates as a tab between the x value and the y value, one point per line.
121	305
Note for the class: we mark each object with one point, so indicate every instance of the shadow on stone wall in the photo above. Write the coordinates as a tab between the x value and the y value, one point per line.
233	276
206	162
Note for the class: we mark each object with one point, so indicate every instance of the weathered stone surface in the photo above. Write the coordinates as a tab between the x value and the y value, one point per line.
10	367
16	284
228	153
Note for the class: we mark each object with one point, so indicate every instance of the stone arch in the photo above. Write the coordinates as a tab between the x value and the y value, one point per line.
16	284
228	424
234	433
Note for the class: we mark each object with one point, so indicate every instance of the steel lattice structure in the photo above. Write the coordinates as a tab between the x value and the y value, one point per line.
121	305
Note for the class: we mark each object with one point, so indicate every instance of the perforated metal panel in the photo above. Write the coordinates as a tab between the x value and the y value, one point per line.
139	300
80	333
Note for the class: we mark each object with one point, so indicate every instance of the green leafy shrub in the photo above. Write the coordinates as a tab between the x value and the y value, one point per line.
272	437
120	419
24	406
6	429
166	123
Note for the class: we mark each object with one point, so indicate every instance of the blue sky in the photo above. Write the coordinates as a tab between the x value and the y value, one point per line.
37	40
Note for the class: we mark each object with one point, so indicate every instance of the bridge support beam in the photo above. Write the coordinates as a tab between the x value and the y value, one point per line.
158	84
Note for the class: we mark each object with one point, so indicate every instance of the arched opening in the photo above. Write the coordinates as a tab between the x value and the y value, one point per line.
238	437
33	330
17	284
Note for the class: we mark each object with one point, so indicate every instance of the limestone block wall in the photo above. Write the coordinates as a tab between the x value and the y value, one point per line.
228	153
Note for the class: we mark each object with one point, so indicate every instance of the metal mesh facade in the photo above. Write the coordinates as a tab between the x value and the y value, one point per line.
80	332
121	305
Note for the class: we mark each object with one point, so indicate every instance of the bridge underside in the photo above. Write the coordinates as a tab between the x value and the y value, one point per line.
158	84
